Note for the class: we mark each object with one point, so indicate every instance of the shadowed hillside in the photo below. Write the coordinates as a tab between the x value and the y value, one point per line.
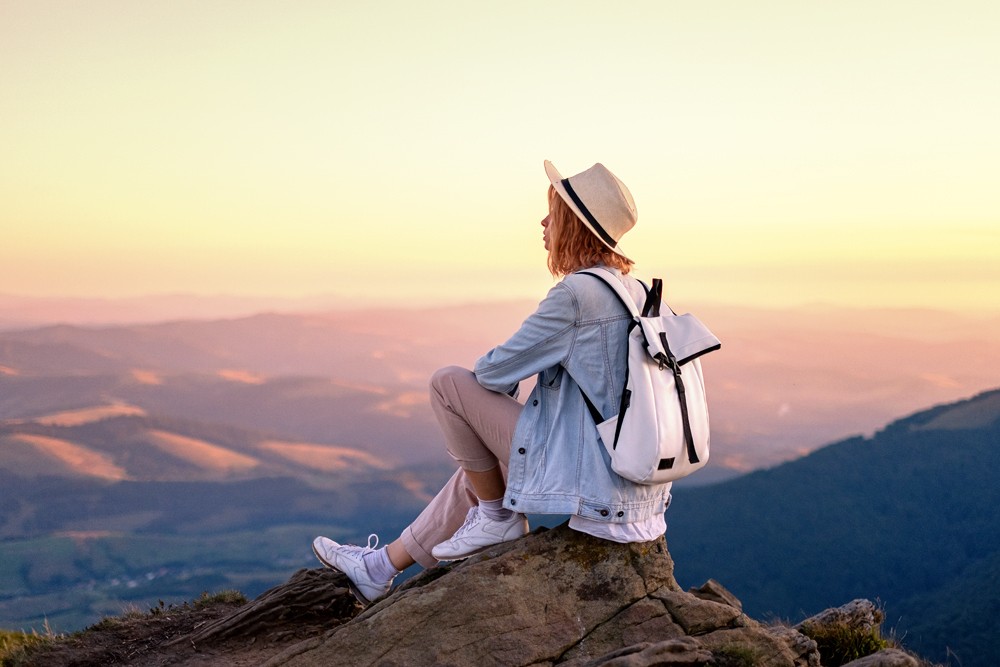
907	516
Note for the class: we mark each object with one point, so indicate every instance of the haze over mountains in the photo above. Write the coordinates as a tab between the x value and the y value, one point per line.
784	382
23	312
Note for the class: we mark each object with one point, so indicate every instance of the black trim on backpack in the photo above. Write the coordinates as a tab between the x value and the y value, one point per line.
653	298
676	369
681	362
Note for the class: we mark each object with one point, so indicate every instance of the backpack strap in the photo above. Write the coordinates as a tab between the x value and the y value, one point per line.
616	286
653	298
670	361
654	294
611	281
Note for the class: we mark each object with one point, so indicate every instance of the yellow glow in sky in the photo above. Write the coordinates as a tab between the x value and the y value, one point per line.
779	152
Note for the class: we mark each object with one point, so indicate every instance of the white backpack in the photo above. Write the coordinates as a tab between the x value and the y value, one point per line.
660	433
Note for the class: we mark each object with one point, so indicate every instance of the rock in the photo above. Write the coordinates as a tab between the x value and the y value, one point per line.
553	598
524	603
761	646
317	599
683	651
844	632
857	614
889	657
716	592
697	616
803	649
631	628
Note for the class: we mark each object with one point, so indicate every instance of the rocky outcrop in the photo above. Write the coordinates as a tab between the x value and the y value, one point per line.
889	657
556	597
851	635
857	615
308	604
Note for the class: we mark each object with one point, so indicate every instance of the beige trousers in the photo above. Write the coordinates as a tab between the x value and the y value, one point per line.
478	426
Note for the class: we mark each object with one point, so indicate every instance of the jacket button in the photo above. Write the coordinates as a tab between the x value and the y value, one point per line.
605	512
521	450
513	501
535	402
621	513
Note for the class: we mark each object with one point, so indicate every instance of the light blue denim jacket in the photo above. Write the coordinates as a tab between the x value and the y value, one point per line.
576	338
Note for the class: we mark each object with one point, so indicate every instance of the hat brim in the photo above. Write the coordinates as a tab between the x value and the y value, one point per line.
557	182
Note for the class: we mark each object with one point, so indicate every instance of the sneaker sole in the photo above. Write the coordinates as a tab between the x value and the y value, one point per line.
350	584
452	559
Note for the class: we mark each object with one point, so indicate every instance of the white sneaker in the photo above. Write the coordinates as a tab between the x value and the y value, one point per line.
479	532
349	559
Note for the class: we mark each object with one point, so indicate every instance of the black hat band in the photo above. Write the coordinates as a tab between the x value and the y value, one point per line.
588	215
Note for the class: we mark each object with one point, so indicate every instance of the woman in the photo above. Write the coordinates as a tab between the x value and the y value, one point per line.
542	457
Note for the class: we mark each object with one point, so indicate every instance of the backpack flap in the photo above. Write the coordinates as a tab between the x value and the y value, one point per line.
686	338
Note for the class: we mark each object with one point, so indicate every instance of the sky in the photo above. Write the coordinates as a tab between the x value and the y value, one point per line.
781	152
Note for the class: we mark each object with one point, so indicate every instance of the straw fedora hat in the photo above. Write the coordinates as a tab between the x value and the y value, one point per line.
600	200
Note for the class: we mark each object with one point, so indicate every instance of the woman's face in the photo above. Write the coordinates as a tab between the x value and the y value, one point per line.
545	229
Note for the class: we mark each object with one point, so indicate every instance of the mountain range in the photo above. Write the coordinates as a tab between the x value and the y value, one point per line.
784	383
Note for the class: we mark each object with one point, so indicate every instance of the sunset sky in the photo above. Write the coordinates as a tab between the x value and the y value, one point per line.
780	152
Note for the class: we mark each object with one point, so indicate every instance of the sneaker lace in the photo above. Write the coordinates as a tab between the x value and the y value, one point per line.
471	519
359	552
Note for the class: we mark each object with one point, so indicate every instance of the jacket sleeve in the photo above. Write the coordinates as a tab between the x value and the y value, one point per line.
543	341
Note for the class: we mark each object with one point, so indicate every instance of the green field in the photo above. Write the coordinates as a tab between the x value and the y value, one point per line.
64	584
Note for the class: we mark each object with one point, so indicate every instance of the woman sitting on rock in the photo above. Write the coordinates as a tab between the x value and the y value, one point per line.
544	456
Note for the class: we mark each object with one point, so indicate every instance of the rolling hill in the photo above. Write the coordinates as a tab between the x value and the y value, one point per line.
128	509
138	447
784	383
387	422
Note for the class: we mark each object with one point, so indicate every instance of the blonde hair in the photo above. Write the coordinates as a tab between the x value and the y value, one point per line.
572	246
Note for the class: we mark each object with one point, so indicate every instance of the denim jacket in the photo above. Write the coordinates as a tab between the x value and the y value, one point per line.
575	339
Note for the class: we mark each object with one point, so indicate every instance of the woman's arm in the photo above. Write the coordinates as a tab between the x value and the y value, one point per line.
543	341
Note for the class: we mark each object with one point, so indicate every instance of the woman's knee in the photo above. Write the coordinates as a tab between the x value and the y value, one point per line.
448	377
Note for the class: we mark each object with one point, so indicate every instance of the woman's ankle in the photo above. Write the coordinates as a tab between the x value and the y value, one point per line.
379	566
494	509
398	555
